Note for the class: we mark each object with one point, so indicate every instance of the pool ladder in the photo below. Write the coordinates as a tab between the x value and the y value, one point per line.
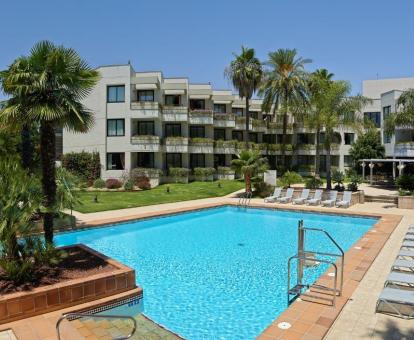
245	198
303	258
73	316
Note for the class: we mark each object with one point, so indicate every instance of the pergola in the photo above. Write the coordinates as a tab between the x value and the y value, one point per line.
394	161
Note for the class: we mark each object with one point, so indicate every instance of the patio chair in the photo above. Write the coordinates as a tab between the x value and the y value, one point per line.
317	196
403	265
399	279
407	244
406	253
409	237
332	199
303	197
275	196
346	200
288	197
398	302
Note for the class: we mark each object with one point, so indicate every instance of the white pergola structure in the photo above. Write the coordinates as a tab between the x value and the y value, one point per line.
371	163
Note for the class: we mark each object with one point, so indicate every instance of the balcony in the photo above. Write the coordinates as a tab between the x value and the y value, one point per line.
276	127
276	149
404	149
224	120
201	145
227	147
202	117
146	143
175	114
306	149
149	110
241	123
258	125
176	144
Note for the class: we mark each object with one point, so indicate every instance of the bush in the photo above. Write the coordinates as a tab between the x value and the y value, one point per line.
406	183
225	170
113	183
338	177
85	165
202	174
263	189
129	185
313	183
149	172
143	182
289	178
99	183
179	173
354	180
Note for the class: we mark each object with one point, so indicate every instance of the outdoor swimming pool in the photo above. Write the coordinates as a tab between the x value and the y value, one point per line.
217	273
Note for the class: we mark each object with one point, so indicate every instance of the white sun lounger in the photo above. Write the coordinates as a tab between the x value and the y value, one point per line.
275	196
398	301
317	196
346	199
399	278
407	244
406	253
303	197
405	264
288	197
332	199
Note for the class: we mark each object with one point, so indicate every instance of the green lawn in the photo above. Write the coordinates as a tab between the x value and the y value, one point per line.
111	200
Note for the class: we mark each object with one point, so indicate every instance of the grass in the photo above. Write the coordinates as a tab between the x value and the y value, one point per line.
111	200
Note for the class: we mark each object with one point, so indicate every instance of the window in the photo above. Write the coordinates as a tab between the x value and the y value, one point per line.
303	138
115	161
348	160
322	138
238	111
197	132
173	160
146	128
386	138
172	130
219	134
237	135
269	139
145	95
145	160
172	100
272	161
219	160
386	111
197	160
115	127
253	137
375	117
115	94
254	114
220	108
349	138
197	104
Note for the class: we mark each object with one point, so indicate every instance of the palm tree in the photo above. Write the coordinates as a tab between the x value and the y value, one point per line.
245	72
49	86
284	86
249	163
318	82
405	116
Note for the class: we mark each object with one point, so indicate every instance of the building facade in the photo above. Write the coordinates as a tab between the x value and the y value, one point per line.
145	120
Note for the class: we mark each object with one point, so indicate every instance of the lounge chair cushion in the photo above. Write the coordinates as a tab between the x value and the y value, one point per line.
397	295
407	253
403	264
398	277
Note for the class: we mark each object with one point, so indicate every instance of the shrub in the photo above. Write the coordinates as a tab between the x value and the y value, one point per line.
289	178
354	180
99	183
179	173
405	182
202	174
143	182
149	172
338	177
262	189
225	170
85	165
129	185
313	183
113	183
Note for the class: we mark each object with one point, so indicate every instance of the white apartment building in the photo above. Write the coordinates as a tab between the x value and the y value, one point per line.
145	120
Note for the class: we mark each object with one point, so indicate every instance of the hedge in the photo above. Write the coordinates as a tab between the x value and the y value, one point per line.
85	165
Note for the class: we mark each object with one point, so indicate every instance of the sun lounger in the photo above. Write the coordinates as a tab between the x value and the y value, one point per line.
396	301
288	197
405	264
316	198
399	278
407	244
303	197
346	199
406	253
409	237
275	196
332	199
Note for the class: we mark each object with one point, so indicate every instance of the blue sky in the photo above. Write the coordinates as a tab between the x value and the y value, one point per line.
354	39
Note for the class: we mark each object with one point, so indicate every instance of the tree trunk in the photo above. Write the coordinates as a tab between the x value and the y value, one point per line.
248	182
48	155
284	137
27	148
246	135
317	154
328	167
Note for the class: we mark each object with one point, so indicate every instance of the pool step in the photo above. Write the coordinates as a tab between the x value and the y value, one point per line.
318	294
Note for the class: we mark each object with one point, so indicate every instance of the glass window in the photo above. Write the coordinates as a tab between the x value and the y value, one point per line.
197	104
146	128
145	95
375	117
348	160
349	138
269	139
219	160
220	108
238	111
386	111
197	160
254	114
219	134
197	132
271	161
172	100
173	160
115	161
116	94
115	127
322	138
386	138
237	135
172	130
253	137
303	138
145	159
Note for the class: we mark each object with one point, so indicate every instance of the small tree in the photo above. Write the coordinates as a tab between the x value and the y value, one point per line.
368	145
289	178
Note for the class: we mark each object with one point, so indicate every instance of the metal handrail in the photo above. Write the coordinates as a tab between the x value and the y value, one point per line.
98	316
244	199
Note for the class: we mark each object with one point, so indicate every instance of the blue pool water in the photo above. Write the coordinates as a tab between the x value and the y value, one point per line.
218	273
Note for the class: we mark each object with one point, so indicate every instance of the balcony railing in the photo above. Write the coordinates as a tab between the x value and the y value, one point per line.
224	120
175	113
176	144
201	145
146	143
258	125
241	123
227	147
201	117
146	109
404	149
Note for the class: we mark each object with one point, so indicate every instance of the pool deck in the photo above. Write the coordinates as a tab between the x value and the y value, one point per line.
366	268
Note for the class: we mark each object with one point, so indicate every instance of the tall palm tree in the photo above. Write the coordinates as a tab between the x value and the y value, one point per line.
405	116
49	86
249	163
284	86
245	72
318	81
